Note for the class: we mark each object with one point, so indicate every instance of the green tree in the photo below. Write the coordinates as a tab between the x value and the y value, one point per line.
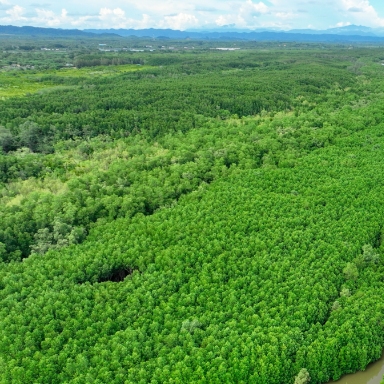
303	377
351	272
7	141
369	254
30	135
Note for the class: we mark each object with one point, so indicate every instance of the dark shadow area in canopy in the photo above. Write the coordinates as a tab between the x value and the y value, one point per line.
115	275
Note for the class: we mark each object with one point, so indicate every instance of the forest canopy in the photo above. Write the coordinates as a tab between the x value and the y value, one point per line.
203	217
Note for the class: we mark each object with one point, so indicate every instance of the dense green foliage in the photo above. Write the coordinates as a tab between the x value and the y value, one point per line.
209	219
167	98
180	103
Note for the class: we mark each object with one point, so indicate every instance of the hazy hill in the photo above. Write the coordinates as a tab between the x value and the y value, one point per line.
37	31
334	35
347	34
349	30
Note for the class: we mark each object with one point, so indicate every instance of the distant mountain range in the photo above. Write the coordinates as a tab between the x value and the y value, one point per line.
348	34
352	33
49	32
350	30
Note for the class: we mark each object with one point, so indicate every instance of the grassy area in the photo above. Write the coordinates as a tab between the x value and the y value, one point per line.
18	82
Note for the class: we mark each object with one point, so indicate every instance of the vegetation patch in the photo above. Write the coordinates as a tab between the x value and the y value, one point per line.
27	82
235	198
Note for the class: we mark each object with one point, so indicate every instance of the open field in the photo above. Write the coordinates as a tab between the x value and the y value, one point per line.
16	82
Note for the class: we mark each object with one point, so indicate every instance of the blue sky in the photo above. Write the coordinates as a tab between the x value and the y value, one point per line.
177	14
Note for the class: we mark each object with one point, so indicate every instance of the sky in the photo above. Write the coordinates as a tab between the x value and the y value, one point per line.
198	14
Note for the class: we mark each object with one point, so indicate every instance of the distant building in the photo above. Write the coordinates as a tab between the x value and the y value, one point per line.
227	49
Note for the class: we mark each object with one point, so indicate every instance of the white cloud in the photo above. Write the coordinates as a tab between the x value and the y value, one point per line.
115	17
254	9
245	14
343	24
49	18
164	7
107	18
107	12
285	15
179	21
15	13
178	14
362	12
